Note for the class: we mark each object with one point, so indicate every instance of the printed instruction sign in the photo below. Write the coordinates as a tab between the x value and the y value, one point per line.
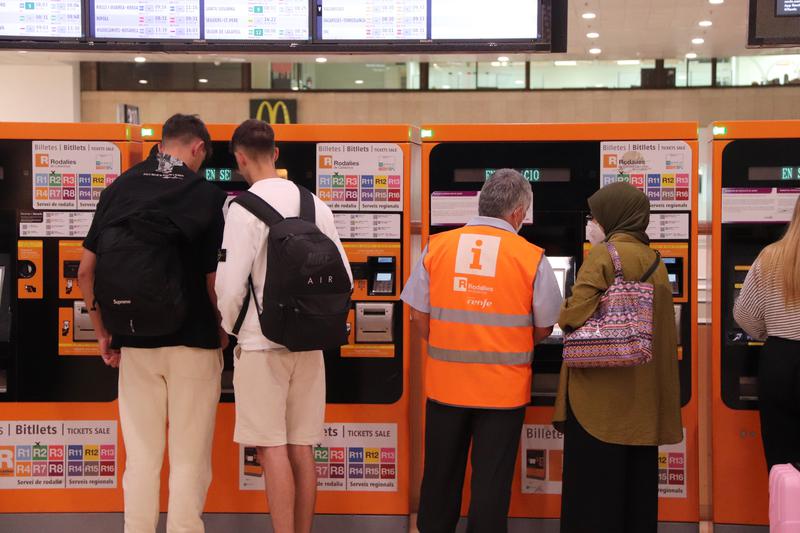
542	459
360	176
542	463
660	169
72	174
456	208
58	454
743	204
668	226
350	457
72	224
373	226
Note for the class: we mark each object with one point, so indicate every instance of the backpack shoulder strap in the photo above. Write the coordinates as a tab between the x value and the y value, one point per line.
652	269
307	207
258	207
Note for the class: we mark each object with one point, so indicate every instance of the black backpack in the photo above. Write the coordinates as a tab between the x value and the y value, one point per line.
139	277
307	291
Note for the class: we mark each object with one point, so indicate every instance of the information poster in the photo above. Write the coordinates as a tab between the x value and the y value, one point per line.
360	176
72	174
456	208
374	19
58	454
372	226
350	457
72	224
542	463
743	205
30	264
672	470
668	226
660	169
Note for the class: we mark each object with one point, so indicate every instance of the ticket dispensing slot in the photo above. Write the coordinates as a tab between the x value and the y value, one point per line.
374	322
84	330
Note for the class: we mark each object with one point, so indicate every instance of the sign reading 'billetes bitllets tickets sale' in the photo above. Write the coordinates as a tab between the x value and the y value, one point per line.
58	454
350	457
360	176
70	175
660	169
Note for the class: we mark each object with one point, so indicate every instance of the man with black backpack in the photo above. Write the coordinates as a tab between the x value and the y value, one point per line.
283	287
147	275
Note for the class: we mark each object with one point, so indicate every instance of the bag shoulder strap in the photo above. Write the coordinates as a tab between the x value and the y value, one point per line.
251	292
307	207
612	251
653	268
258	207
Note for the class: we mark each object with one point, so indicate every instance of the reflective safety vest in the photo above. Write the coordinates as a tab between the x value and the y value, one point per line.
481	321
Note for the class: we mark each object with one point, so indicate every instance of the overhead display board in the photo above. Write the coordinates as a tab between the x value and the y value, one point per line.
498	19
774	23
157	20
365	20
249	20
51	19
303	26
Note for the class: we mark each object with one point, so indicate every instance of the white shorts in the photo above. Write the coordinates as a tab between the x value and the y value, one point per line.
280	397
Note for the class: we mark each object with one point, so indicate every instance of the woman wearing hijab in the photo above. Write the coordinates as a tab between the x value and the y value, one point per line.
614	419
767	309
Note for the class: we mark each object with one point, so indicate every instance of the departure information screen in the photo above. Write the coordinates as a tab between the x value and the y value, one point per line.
773	173
146	19
364	20
496	19
244	20
788	8
43	18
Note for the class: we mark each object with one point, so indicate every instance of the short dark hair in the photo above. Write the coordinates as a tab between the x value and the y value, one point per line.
255	137
184	128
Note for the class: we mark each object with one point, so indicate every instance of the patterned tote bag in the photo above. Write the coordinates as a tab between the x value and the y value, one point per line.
620	332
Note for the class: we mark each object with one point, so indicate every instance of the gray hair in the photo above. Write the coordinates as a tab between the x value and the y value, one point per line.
503	192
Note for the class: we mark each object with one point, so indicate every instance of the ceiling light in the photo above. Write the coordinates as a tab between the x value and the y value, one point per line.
322	60
503	59
715	1
519	82
22	52
495	63
203	80
143	82
592	35
698	40
595	51
359	82
589	16
217	63
599	86
565	63
629	62
705	23
140	59
691	55
445	86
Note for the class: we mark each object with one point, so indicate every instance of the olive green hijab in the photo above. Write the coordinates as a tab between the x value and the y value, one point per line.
621	208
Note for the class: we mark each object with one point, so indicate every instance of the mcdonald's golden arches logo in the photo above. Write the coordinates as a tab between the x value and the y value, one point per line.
274	111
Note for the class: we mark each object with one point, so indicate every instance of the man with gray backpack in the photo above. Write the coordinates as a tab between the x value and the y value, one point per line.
283	288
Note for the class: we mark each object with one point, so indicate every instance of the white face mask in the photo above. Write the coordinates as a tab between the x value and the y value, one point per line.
594	233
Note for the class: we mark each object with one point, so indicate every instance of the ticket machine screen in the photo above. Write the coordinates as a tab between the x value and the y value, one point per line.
564	269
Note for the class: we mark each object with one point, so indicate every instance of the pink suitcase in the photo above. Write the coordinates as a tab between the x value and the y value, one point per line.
784	499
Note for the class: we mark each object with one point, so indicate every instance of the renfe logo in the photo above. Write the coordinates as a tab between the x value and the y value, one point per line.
42	160
610	161
326	161
477	254
460	284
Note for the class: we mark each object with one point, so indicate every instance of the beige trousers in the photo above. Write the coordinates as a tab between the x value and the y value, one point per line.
177	387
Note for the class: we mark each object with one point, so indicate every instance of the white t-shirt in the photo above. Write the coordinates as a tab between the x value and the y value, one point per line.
245	251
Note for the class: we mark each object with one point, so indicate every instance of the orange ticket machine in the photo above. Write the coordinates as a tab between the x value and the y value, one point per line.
364	174
756	173
58	433
567	163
